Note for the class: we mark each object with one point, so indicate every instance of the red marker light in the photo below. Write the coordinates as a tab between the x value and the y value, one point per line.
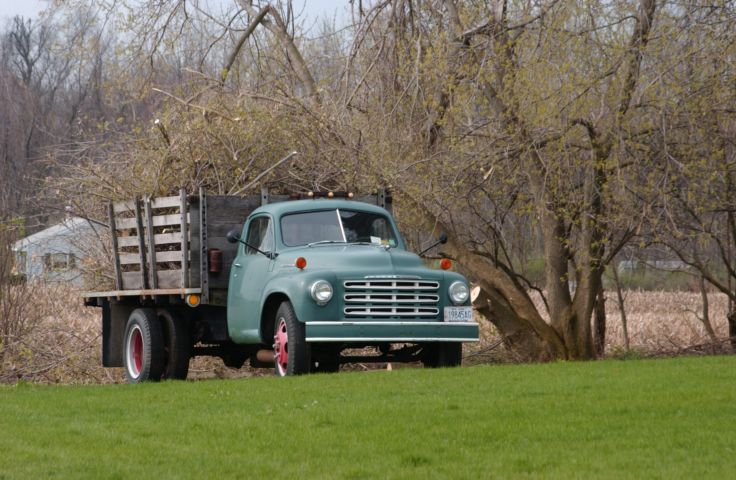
445	264
301	263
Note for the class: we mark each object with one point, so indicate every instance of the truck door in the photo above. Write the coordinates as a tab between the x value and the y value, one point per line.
248	276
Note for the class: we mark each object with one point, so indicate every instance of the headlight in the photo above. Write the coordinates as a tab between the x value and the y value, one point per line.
321	291
458	292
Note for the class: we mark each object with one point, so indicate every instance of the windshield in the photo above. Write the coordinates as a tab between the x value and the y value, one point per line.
337	226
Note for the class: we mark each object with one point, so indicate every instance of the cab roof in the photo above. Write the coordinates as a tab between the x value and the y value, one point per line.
292	206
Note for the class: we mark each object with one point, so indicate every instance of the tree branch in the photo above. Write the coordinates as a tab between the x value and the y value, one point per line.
279	28
636	48
247	33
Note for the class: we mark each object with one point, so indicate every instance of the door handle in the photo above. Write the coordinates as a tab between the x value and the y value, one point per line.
237	265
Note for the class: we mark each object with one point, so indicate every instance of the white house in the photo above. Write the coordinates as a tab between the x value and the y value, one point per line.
54	254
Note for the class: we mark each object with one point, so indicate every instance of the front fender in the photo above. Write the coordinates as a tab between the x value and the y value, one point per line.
296	286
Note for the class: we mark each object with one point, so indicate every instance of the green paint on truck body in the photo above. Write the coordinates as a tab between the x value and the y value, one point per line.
256	279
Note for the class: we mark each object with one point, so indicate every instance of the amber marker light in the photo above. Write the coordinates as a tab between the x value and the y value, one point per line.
193	300
445	264
301	263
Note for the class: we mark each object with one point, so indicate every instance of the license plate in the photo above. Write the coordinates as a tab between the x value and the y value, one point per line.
458	314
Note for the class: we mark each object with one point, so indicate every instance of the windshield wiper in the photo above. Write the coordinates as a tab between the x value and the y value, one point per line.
324	242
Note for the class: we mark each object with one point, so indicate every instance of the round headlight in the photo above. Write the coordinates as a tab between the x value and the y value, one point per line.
321	291
458	292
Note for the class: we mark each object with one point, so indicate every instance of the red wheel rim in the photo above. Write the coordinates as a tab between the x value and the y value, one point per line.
137	349
281	347
135	352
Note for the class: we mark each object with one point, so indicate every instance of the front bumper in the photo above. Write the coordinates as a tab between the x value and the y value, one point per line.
391	331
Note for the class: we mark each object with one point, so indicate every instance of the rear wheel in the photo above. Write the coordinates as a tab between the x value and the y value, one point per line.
143	349
177	345
442	354
291	351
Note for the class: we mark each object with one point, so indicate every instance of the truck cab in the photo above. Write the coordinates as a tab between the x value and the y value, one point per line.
315	277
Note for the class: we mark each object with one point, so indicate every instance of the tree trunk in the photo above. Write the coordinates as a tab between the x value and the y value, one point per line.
732	328
622	309
556	272
511	309
589	284
519	338
599	326
705	319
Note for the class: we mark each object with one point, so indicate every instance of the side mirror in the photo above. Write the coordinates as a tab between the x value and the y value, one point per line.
233	236
441	240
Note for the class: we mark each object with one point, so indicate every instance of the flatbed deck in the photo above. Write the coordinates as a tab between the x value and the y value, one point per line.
142	293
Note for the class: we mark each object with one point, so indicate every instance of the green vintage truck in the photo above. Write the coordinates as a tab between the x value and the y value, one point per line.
296	284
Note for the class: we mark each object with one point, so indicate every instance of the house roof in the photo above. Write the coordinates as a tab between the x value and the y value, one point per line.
67	227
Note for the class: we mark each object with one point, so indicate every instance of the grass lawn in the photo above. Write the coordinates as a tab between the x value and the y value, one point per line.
651	419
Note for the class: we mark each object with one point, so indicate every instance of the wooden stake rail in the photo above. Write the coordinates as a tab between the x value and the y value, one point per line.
150	240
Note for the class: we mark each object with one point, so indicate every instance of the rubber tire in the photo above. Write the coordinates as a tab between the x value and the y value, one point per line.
177	345
443	354
299	361
152	357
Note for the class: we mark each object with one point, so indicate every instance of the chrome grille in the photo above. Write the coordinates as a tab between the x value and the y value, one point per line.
391	285
391	298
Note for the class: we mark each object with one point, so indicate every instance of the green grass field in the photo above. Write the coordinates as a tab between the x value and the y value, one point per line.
650	419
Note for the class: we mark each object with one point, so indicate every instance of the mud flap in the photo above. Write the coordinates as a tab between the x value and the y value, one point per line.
114	318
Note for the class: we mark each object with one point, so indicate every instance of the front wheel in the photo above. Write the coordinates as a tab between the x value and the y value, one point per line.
291	351
143	347
442	354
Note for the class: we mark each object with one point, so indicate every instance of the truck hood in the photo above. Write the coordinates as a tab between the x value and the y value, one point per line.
359	260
